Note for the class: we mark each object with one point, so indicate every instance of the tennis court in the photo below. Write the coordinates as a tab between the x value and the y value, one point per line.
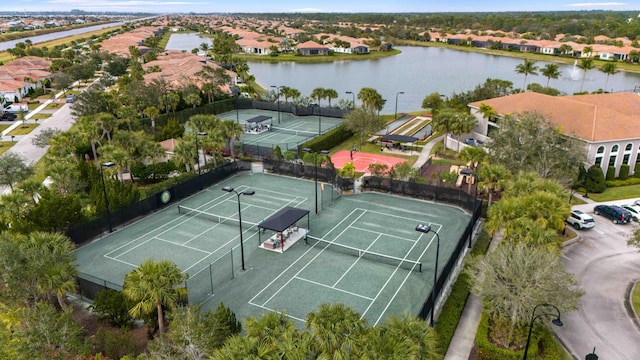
291	132
361	250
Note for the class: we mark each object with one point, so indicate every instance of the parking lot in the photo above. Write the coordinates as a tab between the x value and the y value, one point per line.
607	269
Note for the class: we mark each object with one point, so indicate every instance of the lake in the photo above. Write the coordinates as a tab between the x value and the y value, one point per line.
418	71
187	42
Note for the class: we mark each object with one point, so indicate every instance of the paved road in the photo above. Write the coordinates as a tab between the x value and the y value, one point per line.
606	268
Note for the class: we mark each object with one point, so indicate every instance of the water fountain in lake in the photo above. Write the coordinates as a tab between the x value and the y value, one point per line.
575	71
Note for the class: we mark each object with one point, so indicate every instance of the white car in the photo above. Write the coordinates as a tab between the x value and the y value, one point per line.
634	210
580	220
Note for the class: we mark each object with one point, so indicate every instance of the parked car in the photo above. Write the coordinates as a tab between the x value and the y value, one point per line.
473	142
637	202
634	210
580	220
615	213
71	98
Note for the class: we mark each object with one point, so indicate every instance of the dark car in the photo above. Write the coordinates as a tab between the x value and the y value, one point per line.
71	98
7	116
615	213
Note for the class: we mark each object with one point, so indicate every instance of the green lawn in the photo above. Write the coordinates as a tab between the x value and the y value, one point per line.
40	116
635	298
2	127
616	193
4	146
22	129
54	106
316	59
33	105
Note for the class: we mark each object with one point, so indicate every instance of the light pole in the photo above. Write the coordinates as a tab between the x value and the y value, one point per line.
534	317
475	194
200	133
278	94
426	228
246	192
354	99
104	189
396	113
315	160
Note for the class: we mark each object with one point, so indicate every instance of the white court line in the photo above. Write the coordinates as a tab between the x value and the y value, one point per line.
182	245
402	284
122	261
284	313
309	263
354	263
333	288
381	233
292	264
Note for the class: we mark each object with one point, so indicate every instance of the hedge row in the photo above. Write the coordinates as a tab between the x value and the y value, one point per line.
454	306
330	139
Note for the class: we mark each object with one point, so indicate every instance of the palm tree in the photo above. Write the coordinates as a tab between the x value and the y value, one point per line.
371	99
550	71
526	68
609	69
330	94
318	94
154	284
57	270
443	122
492	177
231	131
152	113
462	123
472	154
288	92
585	65
185	154
417	332
336	329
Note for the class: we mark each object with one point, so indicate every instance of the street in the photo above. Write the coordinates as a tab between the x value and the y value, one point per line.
607	269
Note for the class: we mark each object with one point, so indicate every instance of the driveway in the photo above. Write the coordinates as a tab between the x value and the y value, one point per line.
607	268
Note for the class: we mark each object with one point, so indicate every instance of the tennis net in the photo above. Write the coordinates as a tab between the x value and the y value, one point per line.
306	134
201	214
365	254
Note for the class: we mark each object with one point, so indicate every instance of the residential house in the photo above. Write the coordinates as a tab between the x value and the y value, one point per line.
311	48
608	124
19	76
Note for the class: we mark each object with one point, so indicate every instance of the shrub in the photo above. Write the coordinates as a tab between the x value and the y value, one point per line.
488	351
627	182
330	139
595	180
636	170
624	172
111	305
114	343
611	173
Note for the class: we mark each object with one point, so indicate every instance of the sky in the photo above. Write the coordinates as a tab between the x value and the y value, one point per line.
327	6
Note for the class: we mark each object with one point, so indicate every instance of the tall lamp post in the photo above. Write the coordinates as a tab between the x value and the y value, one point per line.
396	113
200	133
248	193
278	93
354	99
315	160
104	189
534	317
475	194
426	228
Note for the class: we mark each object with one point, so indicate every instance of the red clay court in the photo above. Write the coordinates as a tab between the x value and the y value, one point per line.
362	160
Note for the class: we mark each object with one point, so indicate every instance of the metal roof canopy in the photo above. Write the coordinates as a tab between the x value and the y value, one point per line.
283	219
259	119
401	138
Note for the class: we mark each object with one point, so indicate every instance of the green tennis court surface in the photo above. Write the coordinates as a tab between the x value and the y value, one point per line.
362	250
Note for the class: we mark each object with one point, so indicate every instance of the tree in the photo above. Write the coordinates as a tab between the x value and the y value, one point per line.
432	101
112	305
61	81
443	121
609	68
530	142
363	121
288	92
550	71
337	330
152	113
462	123
318	94
585	65
473	155
231	131
408	330
13	169
330	94
528	67
371	99
595	181
513	279
154	284
491	178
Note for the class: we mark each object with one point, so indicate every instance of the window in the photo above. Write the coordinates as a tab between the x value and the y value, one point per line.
625	159
614	149
600	150
599	160
612	160
628	147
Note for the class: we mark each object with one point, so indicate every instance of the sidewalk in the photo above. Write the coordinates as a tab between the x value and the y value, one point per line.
426	152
